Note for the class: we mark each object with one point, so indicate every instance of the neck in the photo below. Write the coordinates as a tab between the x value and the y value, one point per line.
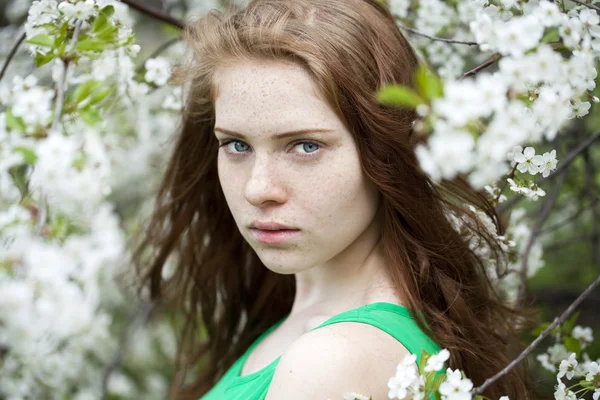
354	277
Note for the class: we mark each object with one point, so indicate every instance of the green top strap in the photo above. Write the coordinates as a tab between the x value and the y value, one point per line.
393	319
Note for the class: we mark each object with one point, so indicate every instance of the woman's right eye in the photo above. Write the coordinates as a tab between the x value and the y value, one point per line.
236	149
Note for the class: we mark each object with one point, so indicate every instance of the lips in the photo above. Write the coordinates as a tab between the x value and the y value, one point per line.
274	236
270	226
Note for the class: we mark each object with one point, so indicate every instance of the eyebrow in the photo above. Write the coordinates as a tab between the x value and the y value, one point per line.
279	135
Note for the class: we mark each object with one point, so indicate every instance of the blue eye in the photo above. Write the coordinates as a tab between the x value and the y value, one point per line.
307	145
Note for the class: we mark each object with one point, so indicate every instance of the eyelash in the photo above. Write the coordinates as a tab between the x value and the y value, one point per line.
307	155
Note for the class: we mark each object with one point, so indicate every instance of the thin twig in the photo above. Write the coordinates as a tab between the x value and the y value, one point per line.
546	208
593	7
511	175
158	51
563	165
41	214
573	154
60	86
559	245
12	53
154	13
590	184
437	39
495	57
569	219
557	321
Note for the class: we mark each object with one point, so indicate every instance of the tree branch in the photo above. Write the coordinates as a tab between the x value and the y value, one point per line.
546	208
154	13
158	51
590	184
557	321
510	176
12	53
494	58
60	86
562	166
438	39
593	7
571	218
573	154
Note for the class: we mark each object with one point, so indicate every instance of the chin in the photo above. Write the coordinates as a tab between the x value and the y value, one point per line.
281	264
282	271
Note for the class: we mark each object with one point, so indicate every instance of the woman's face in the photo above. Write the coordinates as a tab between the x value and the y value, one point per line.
311	182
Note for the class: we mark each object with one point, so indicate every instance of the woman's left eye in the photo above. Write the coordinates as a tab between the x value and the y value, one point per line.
309	147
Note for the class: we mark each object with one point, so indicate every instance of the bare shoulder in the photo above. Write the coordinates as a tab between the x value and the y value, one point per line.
337	359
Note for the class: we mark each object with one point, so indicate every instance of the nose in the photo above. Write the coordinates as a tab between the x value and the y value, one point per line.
264	186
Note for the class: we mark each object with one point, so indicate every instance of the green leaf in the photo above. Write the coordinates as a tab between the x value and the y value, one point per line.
47	26
573	345
41	40
169	30
108	11
438	381
79	162
62	34
108	34
101	95
103	24
90	44
14	123
551	36
569	324
18	173
428	84
423	361
92	117
100	22
586	384
394	94
537	331
42	59
85	89
28	154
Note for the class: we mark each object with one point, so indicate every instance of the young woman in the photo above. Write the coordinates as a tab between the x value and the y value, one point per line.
309	247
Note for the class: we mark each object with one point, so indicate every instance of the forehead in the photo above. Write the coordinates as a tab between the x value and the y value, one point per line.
268	96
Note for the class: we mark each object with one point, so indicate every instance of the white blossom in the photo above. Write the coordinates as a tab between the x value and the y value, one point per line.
399	7
567	367
81	10
401	384
583	334
528	161
580	108
157	70
591	370
544	359
436	361
355	396
446	155
455	387
548	164
562	393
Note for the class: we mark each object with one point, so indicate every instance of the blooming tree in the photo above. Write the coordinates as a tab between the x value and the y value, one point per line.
84	118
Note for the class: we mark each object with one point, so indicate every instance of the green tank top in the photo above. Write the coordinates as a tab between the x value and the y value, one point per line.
391	318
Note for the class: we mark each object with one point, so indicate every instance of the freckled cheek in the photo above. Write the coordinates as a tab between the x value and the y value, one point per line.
331	193
232	179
